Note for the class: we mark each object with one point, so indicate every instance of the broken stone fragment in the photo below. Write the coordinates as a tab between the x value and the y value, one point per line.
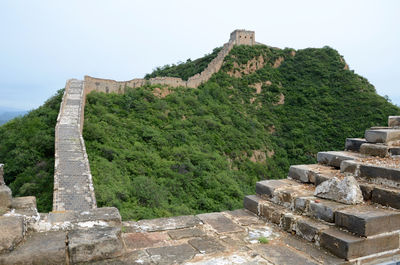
5	197
345	191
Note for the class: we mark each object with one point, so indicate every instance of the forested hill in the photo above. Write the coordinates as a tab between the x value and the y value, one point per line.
158	151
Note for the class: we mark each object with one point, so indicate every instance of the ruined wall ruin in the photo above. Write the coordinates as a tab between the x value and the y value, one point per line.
238	37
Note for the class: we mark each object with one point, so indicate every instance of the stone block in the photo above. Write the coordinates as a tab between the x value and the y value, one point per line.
379	150
185	233
394	121
109	215
354	144
162	224
347	246
382	135
324	209
310	229
380	175
394	151
386	197
367	220
288	221
301	173
39	248
137	240
334	158
350	166
267	187
320	178
172	254
220	223
282	254
366	190
12	232
251	202
28	202
5	197
93	244
206	245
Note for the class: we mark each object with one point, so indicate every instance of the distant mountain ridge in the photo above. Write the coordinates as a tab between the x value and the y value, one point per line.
7	114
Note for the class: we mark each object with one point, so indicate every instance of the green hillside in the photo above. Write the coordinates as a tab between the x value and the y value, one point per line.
158	151
27	150
202	150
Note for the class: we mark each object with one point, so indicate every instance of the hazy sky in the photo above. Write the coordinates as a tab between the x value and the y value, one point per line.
44	43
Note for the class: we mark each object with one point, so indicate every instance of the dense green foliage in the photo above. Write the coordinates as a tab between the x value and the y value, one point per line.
191	151
27	150
185	70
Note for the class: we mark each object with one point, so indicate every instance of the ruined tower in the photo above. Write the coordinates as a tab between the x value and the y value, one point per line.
243	37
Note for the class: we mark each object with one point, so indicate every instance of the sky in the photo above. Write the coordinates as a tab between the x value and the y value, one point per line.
44	43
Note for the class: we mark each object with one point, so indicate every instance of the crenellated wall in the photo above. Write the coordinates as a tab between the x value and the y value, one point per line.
238	37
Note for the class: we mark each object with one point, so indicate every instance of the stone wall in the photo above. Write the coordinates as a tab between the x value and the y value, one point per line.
73	186
238	37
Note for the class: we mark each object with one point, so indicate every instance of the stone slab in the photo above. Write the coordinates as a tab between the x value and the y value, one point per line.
354	144
109	215
220	223
368	220
144	240
282	254
185	233
137	257
93	244
379	150
324	209
382	135
347	246
267	187
162	224
39	248
172	254
244	217
206	245
386	197
301	173
389	176
310	229
334	158
11	232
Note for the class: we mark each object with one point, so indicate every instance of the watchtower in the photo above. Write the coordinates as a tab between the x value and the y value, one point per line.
243	37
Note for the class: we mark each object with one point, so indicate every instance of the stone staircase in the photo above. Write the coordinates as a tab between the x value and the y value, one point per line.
358	233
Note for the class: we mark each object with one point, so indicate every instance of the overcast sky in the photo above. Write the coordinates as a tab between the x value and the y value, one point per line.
44	43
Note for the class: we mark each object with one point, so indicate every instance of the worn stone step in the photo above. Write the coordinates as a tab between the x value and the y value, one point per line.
339	242
335	158
382	135
283	192
368	220
394	121
313	173
350	247
374	149
354	144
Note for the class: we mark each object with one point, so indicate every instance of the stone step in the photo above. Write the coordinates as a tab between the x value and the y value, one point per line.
368	220
335	158
379	150
377	174
349	247
382	135
314	173
295	196
339	242
353	144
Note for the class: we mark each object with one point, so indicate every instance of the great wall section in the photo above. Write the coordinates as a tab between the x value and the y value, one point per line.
343	210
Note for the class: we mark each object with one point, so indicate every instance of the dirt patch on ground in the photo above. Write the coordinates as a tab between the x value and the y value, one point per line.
258	86
278	62
258	156
161	92
281	100
250	67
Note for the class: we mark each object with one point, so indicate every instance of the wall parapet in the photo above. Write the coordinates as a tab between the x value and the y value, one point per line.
238	37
